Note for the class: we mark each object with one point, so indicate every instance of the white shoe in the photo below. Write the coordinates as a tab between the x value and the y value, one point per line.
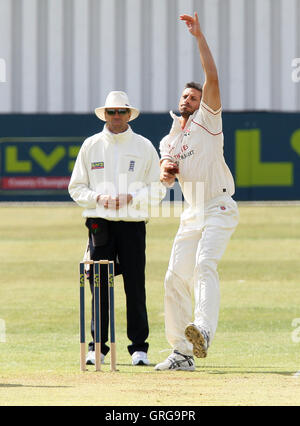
177	361
139	358
90	358
199	338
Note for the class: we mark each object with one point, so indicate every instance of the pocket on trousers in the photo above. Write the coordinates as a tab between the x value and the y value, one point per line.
99	230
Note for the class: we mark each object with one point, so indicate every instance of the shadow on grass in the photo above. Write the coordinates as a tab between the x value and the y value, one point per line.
137	366
238	370
220	369
217	370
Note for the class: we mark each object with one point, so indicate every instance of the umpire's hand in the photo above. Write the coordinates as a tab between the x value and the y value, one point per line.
114	203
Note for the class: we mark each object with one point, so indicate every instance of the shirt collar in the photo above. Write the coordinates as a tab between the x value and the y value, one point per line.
118	136
176	126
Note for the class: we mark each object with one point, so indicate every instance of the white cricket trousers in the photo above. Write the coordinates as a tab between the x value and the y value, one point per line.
193	269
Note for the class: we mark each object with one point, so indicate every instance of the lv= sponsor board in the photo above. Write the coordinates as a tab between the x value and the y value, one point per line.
262	150
36	167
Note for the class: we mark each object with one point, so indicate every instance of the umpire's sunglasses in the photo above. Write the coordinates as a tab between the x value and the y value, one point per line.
120	111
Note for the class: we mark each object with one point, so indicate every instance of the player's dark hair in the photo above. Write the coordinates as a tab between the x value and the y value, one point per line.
193	85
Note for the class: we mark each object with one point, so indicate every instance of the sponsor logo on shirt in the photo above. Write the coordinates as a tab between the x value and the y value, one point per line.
98	165
185	152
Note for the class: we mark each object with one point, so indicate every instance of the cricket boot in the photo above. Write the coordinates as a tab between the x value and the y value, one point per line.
177	361
199	339
91	360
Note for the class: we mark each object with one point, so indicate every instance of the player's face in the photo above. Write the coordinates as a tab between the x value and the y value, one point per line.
117	119
189	101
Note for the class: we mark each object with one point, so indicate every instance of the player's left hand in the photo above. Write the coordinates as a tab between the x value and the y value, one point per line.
192	22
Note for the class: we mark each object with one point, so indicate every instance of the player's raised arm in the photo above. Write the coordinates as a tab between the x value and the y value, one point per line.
211	92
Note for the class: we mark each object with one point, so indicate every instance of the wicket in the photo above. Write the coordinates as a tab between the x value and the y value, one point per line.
97	313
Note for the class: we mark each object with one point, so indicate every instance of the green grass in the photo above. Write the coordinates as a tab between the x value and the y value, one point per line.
252	361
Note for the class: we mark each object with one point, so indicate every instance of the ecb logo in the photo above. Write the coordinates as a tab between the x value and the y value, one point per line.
81	280
97	280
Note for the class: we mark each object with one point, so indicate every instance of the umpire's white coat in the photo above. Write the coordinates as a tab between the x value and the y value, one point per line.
206	225
113	164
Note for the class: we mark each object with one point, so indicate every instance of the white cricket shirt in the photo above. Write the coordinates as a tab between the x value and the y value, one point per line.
198	150
112	164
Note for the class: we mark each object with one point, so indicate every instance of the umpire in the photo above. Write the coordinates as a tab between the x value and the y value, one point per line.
115	179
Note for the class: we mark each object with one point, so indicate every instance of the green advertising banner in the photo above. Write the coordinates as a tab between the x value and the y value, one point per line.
262	150
37	166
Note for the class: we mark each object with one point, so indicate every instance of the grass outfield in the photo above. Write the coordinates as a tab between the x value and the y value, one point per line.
253	360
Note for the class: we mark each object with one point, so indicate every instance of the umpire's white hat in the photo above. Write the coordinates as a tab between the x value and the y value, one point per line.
117	99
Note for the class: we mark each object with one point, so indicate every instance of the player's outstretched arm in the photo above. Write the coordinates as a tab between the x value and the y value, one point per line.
211	91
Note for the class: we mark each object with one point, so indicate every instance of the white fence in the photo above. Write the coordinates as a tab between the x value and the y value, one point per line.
65	55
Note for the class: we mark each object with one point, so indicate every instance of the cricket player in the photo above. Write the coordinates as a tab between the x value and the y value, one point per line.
193	152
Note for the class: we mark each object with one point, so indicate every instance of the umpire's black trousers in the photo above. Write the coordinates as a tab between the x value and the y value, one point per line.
125	243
